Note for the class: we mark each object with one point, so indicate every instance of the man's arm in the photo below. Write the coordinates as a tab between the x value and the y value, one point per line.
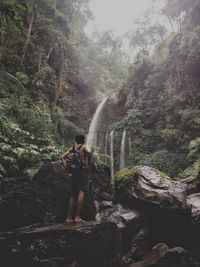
62	158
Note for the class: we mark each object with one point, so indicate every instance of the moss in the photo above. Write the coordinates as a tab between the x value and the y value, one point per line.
162	175
126	173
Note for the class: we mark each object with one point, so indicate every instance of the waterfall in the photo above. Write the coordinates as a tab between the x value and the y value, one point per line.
129	146
112	153
94	123
95	142
106	148
122	150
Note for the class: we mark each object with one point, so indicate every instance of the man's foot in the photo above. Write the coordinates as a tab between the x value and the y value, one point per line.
69	221
78	219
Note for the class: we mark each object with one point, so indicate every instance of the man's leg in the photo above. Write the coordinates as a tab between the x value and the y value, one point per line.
70	209
79	205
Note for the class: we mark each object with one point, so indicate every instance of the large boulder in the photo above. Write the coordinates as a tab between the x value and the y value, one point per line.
44	198
56	245
160	200
149	185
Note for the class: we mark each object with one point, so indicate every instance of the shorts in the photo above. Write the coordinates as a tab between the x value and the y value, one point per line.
79	180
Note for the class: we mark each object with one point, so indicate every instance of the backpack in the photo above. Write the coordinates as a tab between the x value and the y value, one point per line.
73	159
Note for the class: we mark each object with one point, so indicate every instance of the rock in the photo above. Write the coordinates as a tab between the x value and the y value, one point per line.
82	244
193	184
119	215
103	205
132	229
161	201
149	185
189	180
193	202
162	256
44	198
100	178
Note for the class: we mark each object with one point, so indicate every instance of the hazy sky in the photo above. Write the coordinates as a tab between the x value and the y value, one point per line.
116	15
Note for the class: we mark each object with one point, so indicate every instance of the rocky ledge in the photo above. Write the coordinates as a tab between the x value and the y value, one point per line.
77	244
152	221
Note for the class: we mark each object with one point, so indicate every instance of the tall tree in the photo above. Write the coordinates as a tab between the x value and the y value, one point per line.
147	34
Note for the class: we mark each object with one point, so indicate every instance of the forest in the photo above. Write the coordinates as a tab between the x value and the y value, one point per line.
53	76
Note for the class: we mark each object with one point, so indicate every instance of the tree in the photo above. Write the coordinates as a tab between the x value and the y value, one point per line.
147	33
175	11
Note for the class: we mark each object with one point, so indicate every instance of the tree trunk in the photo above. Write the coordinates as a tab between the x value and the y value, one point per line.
61	72
28	37
170	22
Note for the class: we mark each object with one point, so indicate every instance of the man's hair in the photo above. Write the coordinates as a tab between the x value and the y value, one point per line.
80	139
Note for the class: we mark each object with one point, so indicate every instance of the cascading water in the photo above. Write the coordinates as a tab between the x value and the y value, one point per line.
94	124
112	153
122	150
129	146
106	148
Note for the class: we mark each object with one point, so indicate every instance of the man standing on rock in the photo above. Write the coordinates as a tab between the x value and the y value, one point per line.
77	161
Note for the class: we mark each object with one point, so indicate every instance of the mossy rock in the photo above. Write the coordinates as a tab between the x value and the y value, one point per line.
143	184
125	180
127	173
100	179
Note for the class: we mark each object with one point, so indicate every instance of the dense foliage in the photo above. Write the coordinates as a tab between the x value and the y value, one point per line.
52	76
162	97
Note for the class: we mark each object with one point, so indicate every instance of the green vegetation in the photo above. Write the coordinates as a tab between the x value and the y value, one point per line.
52	76
127	173
161	97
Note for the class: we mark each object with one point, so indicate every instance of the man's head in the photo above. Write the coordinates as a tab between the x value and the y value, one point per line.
80	139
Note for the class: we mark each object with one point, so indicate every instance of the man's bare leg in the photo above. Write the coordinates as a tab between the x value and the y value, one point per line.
70	209
79	205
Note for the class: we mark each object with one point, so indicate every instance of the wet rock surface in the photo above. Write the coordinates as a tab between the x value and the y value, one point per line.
149	185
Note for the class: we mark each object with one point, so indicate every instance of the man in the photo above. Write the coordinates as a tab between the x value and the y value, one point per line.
79	177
